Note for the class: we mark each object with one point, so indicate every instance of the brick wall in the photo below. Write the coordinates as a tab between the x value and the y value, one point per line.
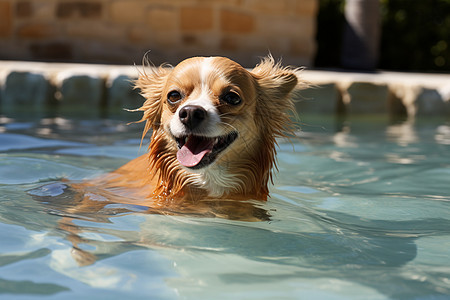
121	31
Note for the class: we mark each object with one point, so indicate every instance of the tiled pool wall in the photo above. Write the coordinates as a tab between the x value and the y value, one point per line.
34	86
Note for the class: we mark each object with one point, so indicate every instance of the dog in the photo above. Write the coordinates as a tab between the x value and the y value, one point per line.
214	126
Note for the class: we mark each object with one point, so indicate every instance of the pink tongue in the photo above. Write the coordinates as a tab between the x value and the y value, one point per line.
194	150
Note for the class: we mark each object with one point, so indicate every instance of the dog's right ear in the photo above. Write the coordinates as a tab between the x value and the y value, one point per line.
151	83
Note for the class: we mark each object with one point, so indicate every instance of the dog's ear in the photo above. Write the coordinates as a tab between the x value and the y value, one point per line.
274	110
151	83
275	81
276	86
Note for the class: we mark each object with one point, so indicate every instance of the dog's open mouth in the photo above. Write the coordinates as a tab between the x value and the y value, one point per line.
197	151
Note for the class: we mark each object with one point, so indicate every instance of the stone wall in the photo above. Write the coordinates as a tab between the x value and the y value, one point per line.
122	31
37	88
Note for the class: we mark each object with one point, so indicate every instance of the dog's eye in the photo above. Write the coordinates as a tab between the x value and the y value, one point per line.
173	97
231	98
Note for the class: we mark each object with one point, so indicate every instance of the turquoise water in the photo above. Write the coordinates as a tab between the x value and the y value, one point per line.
360	209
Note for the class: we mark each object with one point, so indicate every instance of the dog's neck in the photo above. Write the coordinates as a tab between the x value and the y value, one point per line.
247	178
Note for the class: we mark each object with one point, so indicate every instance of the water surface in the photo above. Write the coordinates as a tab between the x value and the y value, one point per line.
358	210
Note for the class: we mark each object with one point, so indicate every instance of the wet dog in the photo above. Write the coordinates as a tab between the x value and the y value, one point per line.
214	127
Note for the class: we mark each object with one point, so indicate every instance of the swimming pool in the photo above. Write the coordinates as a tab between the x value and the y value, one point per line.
359	210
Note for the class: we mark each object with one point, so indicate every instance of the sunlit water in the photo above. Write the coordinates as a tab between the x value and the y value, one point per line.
358	210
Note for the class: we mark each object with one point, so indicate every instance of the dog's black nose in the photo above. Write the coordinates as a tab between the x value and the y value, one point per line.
192	115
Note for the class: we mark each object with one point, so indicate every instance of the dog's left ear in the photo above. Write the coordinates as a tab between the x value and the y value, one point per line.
276	86
276	82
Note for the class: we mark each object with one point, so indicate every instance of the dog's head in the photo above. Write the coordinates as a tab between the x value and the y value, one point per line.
215	123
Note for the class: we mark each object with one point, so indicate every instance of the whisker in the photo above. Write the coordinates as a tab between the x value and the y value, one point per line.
225	114
229	125
246	144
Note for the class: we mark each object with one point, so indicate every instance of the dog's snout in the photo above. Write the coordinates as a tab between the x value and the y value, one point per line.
192	115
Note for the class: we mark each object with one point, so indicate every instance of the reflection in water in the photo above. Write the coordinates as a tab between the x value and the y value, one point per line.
344	138
403	134
77	204
354	213
443	135
345	246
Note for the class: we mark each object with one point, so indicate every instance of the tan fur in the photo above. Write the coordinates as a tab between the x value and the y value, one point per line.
243	170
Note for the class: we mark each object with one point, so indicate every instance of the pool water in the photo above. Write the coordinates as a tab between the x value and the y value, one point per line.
360	209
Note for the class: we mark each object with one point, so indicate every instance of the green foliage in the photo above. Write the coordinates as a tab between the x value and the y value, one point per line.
415	34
